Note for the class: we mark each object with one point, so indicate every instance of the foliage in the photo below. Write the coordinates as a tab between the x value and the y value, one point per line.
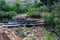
1	14
57	30
56	10
23	9
53	22
35	3
49	19
18	8
21	32
36	11
53	19
6	20
31	38
51	2
4	6
7	15
2	2
50	37
56	14
10	14
33	11
57	21
57	26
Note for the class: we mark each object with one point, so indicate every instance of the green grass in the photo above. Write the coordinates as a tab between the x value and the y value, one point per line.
50	36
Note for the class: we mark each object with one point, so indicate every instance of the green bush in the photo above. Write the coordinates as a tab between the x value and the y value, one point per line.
49	19
23	9
21	32
18	8
50	37
56	14
7	15
33	11
42	8
2	13
57	30
36	11
56	10
57	21
31	38
4	6
57	26
53	19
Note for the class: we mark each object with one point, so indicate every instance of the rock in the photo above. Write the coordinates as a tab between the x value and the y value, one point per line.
3	36
19	18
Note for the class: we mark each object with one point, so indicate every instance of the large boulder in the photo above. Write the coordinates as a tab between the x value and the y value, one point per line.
20	18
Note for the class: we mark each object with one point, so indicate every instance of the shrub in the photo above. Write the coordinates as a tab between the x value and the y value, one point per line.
50	37
23	9
4	6
49	19
33	12
53	20
36	11
57	30
21	32
9	14
43	8
56	14
5	16
56	10
31	38
18	8
57	21
57	26
12	13
2	13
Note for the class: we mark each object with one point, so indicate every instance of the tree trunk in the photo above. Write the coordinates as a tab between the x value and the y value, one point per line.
49	5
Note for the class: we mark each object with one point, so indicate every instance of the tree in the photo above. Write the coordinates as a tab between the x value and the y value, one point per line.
2	14
4	6
49	3
17	7
2	2
9	14
35	3
56	14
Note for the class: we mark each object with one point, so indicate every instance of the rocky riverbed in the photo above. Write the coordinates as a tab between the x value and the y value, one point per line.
8	34
33	34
